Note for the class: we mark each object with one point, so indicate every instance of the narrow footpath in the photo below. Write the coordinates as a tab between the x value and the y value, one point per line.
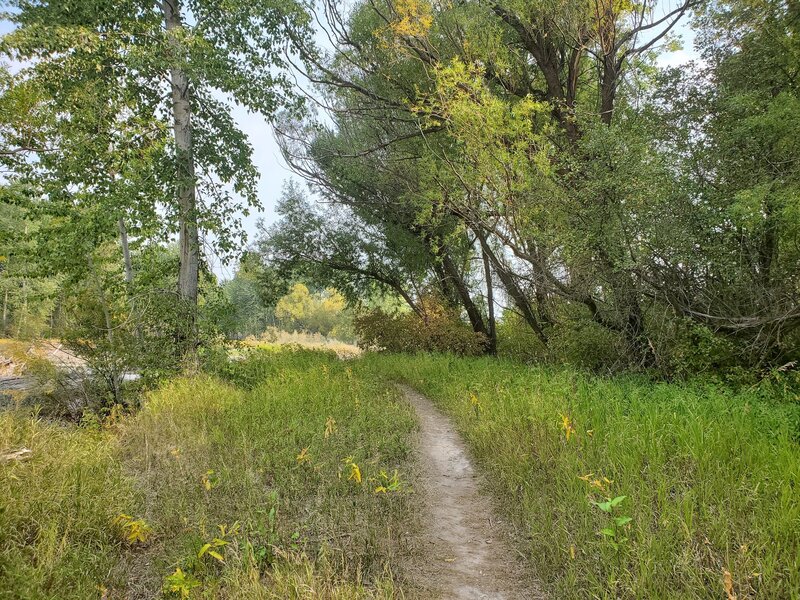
463	552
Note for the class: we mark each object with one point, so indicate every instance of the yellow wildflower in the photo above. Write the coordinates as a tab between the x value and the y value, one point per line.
304	456
567	426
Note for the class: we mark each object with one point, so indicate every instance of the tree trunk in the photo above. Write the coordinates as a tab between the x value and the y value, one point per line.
608	88
492	328
513	290
126	253
475	318
188	241
5	312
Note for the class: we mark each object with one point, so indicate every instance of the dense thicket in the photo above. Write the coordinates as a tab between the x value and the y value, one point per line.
630	215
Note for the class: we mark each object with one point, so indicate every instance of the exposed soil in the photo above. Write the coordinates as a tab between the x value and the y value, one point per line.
13	355
463	550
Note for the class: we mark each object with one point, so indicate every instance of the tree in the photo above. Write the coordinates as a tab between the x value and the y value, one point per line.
539	146
142	66
321	312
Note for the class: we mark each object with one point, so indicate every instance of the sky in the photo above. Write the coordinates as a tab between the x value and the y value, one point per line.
274	171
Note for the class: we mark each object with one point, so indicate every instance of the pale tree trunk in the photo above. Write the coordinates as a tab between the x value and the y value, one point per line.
24	320
126	252
5	312
126	257
188	241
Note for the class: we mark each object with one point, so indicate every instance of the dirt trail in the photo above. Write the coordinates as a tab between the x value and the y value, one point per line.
464	551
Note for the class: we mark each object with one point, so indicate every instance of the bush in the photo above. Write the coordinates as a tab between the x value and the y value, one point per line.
574	340
440	330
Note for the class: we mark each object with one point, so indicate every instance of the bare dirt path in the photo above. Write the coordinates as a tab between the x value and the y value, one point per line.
463	551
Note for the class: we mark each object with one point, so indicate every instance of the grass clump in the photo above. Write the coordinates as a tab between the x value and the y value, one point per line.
234	485
57	537
628	488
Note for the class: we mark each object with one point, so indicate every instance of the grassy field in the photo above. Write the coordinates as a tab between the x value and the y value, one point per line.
710	479
274	477
258	482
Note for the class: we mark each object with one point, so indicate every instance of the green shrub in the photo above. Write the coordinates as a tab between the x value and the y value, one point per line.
439	330
516	340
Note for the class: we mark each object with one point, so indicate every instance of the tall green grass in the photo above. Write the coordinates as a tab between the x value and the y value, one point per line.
208	458
711	478
56	508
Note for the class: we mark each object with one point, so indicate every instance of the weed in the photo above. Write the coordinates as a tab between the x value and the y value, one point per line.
614	531
202	451
134	531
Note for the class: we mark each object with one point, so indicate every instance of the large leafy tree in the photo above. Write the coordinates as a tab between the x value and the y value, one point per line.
543	139
133	119
488	122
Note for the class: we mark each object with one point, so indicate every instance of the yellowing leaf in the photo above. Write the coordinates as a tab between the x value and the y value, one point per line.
330	427
136	531
209	480
304	456
216	555
181	583
355	473
727	584
567	426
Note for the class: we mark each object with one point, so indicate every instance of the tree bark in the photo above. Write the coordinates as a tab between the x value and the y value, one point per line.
126	252
5	312
608	88
513	290
188	240
492	325
474	315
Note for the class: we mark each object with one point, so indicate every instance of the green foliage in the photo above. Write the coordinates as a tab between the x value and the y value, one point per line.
323	312
707	475
438	330
608	213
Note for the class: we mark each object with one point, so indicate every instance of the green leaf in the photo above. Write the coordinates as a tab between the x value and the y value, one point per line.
604	506
617	500
620	521
203	550
216	555
609	532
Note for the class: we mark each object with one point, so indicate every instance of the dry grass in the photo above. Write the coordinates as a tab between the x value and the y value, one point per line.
275	339
208	459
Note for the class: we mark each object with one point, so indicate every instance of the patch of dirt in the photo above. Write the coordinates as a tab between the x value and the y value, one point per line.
15	354
463	551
